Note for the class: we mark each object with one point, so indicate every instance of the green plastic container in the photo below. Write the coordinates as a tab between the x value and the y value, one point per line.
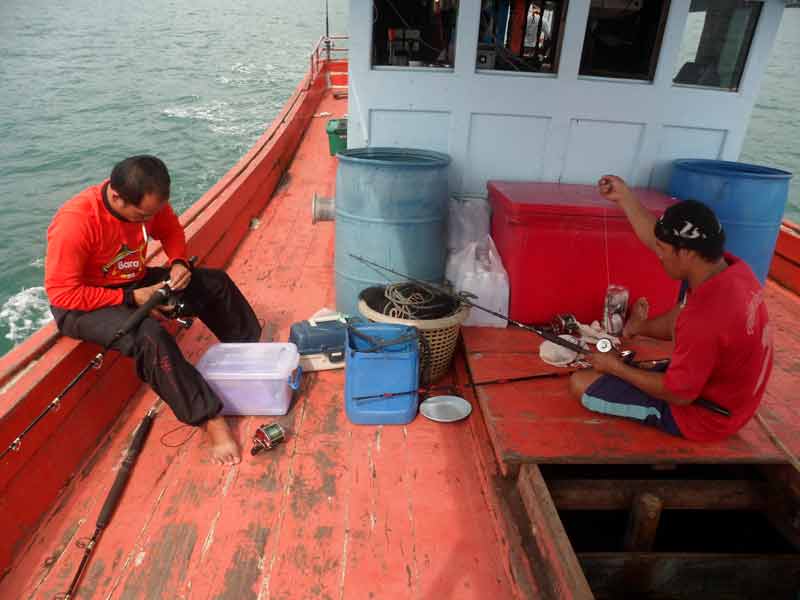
337	135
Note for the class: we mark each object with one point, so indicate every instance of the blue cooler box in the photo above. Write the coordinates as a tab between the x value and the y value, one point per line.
381	360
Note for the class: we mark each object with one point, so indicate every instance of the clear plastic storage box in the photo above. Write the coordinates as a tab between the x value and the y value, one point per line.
252	379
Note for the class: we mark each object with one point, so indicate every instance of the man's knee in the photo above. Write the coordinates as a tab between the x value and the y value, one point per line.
212	279
579	381
575	385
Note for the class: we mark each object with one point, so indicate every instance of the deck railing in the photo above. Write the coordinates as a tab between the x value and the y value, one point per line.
327	48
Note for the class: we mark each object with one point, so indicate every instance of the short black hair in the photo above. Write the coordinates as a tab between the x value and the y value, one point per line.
137	176
694	226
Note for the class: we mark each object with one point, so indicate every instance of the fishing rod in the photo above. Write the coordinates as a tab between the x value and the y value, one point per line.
160	296
425	391
541	332
112	500
603	345
644	364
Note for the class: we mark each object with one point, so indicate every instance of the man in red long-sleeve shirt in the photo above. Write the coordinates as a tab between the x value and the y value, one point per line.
96	277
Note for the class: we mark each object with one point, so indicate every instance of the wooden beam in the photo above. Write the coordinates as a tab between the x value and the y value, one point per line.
495	489
618	494
552	549
691	576
643	523
783	506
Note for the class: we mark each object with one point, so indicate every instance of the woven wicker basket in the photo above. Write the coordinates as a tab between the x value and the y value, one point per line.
441	335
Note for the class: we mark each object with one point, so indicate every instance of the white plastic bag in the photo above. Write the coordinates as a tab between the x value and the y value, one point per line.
468	221
477	269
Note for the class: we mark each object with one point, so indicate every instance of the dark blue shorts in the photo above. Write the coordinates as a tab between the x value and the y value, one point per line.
611	395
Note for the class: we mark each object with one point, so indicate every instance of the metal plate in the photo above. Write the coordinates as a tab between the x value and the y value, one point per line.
445	409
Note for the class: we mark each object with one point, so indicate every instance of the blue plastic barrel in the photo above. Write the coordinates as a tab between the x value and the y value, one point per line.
391	207
749	201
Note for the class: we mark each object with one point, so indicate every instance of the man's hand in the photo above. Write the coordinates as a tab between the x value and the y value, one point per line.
605	362
143	294
613	188
179	276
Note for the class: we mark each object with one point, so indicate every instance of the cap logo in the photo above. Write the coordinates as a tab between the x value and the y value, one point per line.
689	232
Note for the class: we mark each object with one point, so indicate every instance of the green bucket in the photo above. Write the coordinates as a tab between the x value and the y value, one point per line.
337	135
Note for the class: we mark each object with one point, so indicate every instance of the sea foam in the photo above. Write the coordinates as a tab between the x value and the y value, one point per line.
24	313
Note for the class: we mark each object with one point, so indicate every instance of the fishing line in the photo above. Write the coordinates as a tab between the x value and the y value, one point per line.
605	244
178	428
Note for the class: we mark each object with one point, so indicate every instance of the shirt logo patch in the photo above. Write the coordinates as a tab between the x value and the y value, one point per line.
127	263
756	301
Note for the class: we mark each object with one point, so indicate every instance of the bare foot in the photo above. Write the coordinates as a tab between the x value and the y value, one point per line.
224	449
639	313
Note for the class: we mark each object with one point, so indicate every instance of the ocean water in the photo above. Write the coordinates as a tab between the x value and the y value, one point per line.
84	83
773	135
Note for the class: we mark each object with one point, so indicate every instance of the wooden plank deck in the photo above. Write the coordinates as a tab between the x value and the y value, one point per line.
538	421
338	511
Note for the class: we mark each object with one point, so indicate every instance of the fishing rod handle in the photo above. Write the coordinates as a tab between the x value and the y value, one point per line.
124	472
158	297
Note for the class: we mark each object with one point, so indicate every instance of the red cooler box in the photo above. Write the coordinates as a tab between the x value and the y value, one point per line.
562	244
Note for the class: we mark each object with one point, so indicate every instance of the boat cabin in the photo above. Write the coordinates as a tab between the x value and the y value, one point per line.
558	90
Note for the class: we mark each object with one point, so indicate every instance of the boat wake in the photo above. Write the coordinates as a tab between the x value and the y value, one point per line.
24	313
220	116
213	112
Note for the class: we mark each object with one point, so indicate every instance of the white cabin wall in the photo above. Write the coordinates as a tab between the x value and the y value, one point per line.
550	127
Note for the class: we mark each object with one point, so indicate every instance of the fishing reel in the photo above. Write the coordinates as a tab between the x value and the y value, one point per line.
565	323
604	345
175	309
267	437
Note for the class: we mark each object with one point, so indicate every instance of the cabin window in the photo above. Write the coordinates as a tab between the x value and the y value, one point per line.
520	35
716	43
623	38
414	33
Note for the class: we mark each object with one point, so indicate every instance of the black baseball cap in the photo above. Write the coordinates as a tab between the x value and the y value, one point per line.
694	226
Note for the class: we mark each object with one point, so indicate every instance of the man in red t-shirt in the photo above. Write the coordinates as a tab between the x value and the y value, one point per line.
96	277
723	346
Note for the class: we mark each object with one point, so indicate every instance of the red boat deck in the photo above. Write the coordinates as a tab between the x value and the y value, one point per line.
349	512
339	511
537	421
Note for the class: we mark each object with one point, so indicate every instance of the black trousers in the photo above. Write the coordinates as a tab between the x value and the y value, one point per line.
213	297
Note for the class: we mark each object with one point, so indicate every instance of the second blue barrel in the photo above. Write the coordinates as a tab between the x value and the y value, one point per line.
391	208
749	201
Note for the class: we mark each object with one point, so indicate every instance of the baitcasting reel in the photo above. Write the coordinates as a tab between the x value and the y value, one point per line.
267	437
